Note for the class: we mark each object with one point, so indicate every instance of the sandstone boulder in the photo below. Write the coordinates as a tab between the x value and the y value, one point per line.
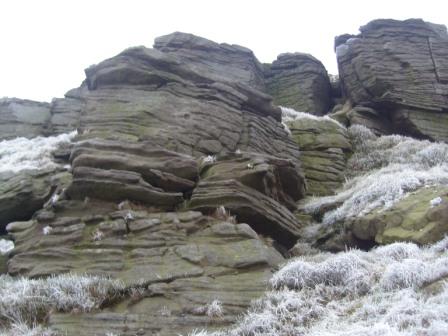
299	81
422	217
400	68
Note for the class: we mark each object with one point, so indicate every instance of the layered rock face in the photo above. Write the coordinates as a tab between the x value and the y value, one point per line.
184	184
256	188
299	81
325	148
399	68
165	133
178	263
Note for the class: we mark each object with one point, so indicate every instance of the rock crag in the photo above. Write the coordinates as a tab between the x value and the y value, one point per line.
399	68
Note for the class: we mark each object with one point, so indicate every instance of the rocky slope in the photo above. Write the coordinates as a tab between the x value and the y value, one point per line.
187	184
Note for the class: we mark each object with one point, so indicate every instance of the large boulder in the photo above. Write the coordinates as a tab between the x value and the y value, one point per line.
421	217
222	62
299	81
180	102
22	118
147	121
400	69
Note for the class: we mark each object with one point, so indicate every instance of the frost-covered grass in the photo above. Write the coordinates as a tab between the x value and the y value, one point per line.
5	246
23	329
383	170
213	310
289	114
26	302
22	154
399	289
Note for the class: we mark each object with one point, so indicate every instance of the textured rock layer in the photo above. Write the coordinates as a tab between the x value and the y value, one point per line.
400	67
299	81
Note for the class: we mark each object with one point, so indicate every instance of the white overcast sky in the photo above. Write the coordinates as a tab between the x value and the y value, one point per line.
46	45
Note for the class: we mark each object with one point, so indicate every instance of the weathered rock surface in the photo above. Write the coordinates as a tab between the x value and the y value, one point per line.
181	262
400	67
299	81
371	119
118	171
221	62
146	119
25	192
258	189
324	148
421	218
22	118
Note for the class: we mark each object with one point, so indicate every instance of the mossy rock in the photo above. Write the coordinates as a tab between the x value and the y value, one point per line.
413	219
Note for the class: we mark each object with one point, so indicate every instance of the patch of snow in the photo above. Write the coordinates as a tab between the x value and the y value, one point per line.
6	246
47	230
435	201
209	159
26	154
54	198
129	216
352	293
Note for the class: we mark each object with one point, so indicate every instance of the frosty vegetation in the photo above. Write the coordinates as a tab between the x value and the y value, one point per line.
5	246
22	153
394	290
383	170
289	114
25	302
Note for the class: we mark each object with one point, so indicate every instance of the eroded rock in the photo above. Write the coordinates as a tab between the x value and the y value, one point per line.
179	262
421	217
400	68
299	81
324	148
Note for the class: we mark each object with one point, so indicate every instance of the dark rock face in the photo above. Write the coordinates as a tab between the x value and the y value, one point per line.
147	120
399	67
299	81
257	189
159	110
112	170
22	118
222	62
23	193
148	95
